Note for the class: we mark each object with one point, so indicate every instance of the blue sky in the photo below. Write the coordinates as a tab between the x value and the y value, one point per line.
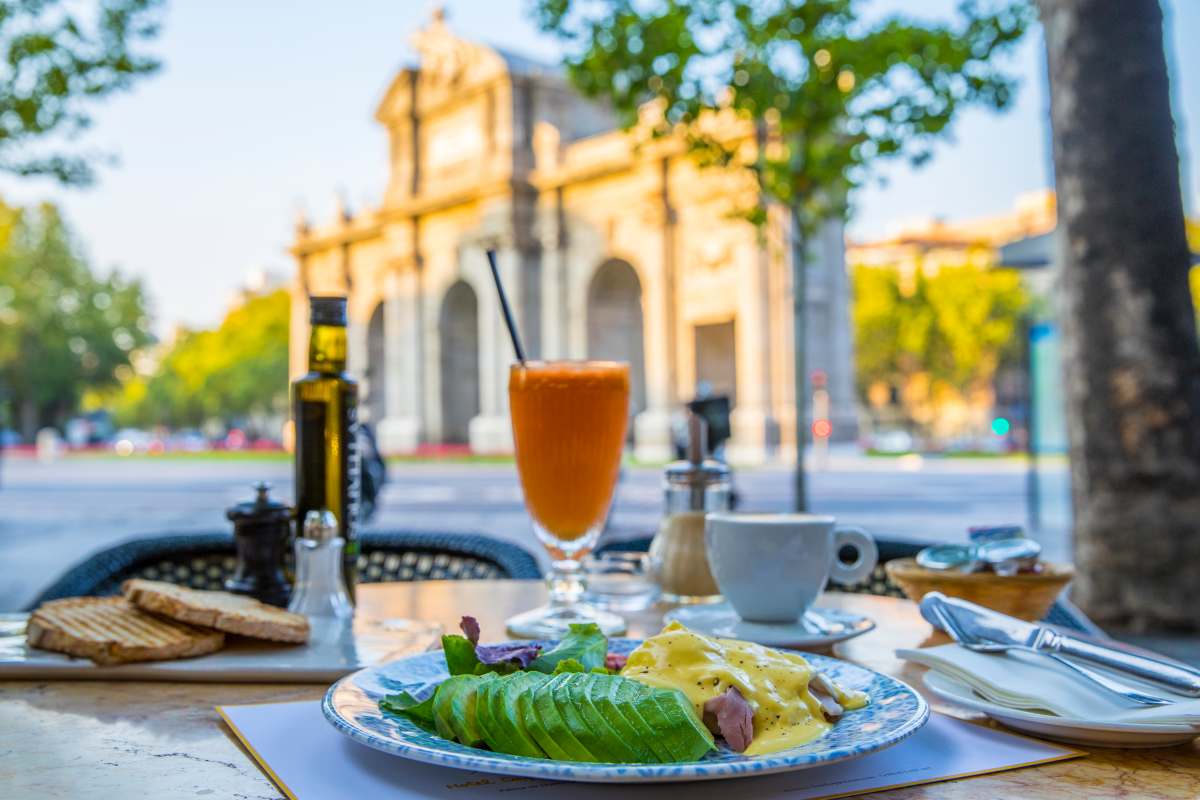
266	107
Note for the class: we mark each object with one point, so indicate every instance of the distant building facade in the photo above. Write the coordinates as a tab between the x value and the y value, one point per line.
608	249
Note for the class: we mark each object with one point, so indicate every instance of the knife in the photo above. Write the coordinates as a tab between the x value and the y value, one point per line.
991	626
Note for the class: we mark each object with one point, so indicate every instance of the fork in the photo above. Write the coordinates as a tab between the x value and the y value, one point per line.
981	646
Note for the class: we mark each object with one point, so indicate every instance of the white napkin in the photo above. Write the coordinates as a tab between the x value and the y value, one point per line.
1033	682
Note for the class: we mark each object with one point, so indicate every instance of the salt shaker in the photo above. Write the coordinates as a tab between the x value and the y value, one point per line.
320	591
691	488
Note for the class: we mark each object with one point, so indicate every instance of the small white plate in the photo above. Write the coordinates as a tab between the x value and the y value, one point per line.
1062	729
719	619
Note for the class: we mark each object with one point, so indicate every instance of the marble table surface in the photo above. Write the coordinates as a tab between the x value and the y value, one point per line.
106	739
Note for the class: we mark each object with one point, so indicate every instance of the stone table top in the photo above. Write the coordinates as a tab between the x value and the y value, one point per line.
104	739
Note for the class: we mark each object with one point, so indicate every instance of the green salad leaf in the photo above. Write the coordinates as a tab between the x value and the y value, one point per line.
460	655
585	644
408	705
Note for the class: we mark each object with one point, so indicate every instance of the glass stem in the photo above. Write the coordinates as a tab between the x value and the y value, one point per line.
565	582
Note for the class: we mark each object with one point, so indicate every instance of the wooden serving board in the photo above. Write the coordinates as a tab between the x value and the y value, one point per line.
331	653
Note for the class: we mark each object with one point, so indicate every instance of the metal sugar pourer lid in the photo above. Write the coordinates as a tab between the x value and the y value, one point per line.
320	526
697	471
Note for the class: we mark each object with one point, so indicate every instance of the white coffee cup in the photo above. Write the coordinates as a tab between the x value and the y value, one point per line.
771	567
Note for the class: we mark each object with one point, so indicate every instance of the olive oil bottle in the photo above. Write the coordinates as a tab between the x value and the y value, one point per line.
325	410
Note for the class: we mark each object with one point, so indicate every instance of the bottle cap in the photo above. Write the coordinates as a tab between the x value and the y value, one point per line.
327	311
320	526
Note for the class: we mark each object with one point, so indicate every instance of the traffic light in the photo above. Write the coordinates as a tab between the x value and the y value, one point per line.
1001	426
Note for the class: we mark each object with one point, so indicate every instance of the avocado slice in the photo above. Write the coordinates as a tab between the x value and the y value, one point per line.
580	694
624	694
671	710
567	684
551	725
507	714
489	729
600	690
463	711
443	711
533	725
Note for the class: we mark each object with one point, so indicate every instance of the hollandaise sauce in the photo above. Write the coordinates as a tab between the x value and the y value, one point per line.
774	683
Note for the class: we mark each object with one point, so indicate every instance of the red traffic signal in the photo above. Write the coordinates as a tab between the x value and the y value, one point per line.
822	428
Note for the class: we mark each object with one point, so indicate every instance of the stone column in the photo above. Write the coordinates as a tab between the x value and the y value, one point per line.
491	431
652	428
754	430
400	431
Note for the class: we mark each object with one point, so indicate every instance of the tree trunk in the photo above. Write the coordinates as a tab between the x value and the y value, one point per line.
799	353
1132	364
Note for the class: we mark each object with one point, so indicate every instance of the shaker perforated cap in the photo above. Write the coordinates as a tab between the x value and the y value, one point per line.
327	311
320	525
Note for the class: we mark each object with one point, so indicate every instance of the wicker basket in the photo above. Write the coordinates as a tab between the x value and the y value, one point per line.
1026	596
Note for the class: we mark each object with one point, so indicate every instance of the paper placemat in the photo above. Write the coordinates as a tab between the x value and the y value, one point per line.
308	760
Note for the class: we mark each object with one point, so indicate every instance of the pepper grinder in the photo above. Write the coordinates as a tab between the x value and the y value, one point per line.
261	529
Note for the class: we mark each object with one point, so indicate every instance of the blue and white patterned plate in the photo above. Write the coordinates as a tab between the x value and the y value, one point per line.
352	706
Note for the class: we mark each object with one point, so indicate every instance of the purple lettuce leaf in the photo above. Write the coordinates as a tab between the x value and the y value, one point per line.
470	629
520	654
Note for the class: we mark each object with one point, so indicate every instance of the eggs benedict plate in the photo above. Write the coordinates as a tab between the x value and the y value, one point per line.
678	706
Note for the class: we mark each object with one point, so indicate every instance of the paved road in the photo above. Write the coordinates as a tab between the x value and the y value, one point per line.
53	515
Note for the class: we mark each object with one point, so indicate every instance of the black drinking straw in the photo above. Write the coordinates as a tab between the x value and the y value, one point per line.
508	317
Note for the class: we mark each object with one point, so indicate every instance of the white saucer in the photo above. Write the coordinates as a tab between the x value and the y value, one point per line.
1062	729
719	619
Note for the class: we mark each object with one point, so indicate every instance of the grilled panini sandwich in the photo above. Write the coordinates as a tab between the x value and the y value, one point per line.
111	630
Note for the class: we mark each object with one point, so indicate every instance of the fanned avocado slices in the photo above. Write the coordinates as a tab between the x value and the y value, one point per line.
571	716
599	690
513	739
552	725
489	728
580	693
444	718
463	710
624	694
507	711
591	737
677	715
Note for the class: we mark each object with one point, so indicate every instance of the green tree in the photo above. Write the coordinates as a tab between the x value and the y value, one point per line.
827	89
236	371
59	58
955	327
62	329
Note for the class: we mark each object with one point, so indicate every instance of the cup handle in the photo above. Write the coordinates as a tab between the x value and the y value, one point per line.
860	569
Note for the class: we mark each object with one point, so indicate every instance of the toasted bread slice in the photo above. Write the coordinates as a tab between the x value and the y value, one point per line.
111	630
232	613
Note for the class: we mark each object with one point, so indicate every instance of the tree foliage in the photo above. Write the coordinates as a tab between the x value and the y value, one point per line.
237	371
63	329
58	59
952	329
831	90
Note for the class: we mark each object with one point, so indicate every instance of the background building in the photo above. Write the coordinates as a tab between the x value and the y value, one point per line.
610	245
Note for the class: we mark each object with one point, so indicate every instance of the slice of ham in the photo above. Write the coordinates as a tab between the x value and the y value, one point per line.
826	695
731	716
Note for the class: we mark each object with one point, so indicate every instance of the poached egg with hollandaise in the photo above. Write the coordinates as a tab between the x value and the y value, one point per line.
778	686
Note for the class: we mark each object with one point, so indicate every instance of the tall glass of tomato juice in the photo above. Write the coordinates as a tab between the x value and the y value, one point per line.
569	420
